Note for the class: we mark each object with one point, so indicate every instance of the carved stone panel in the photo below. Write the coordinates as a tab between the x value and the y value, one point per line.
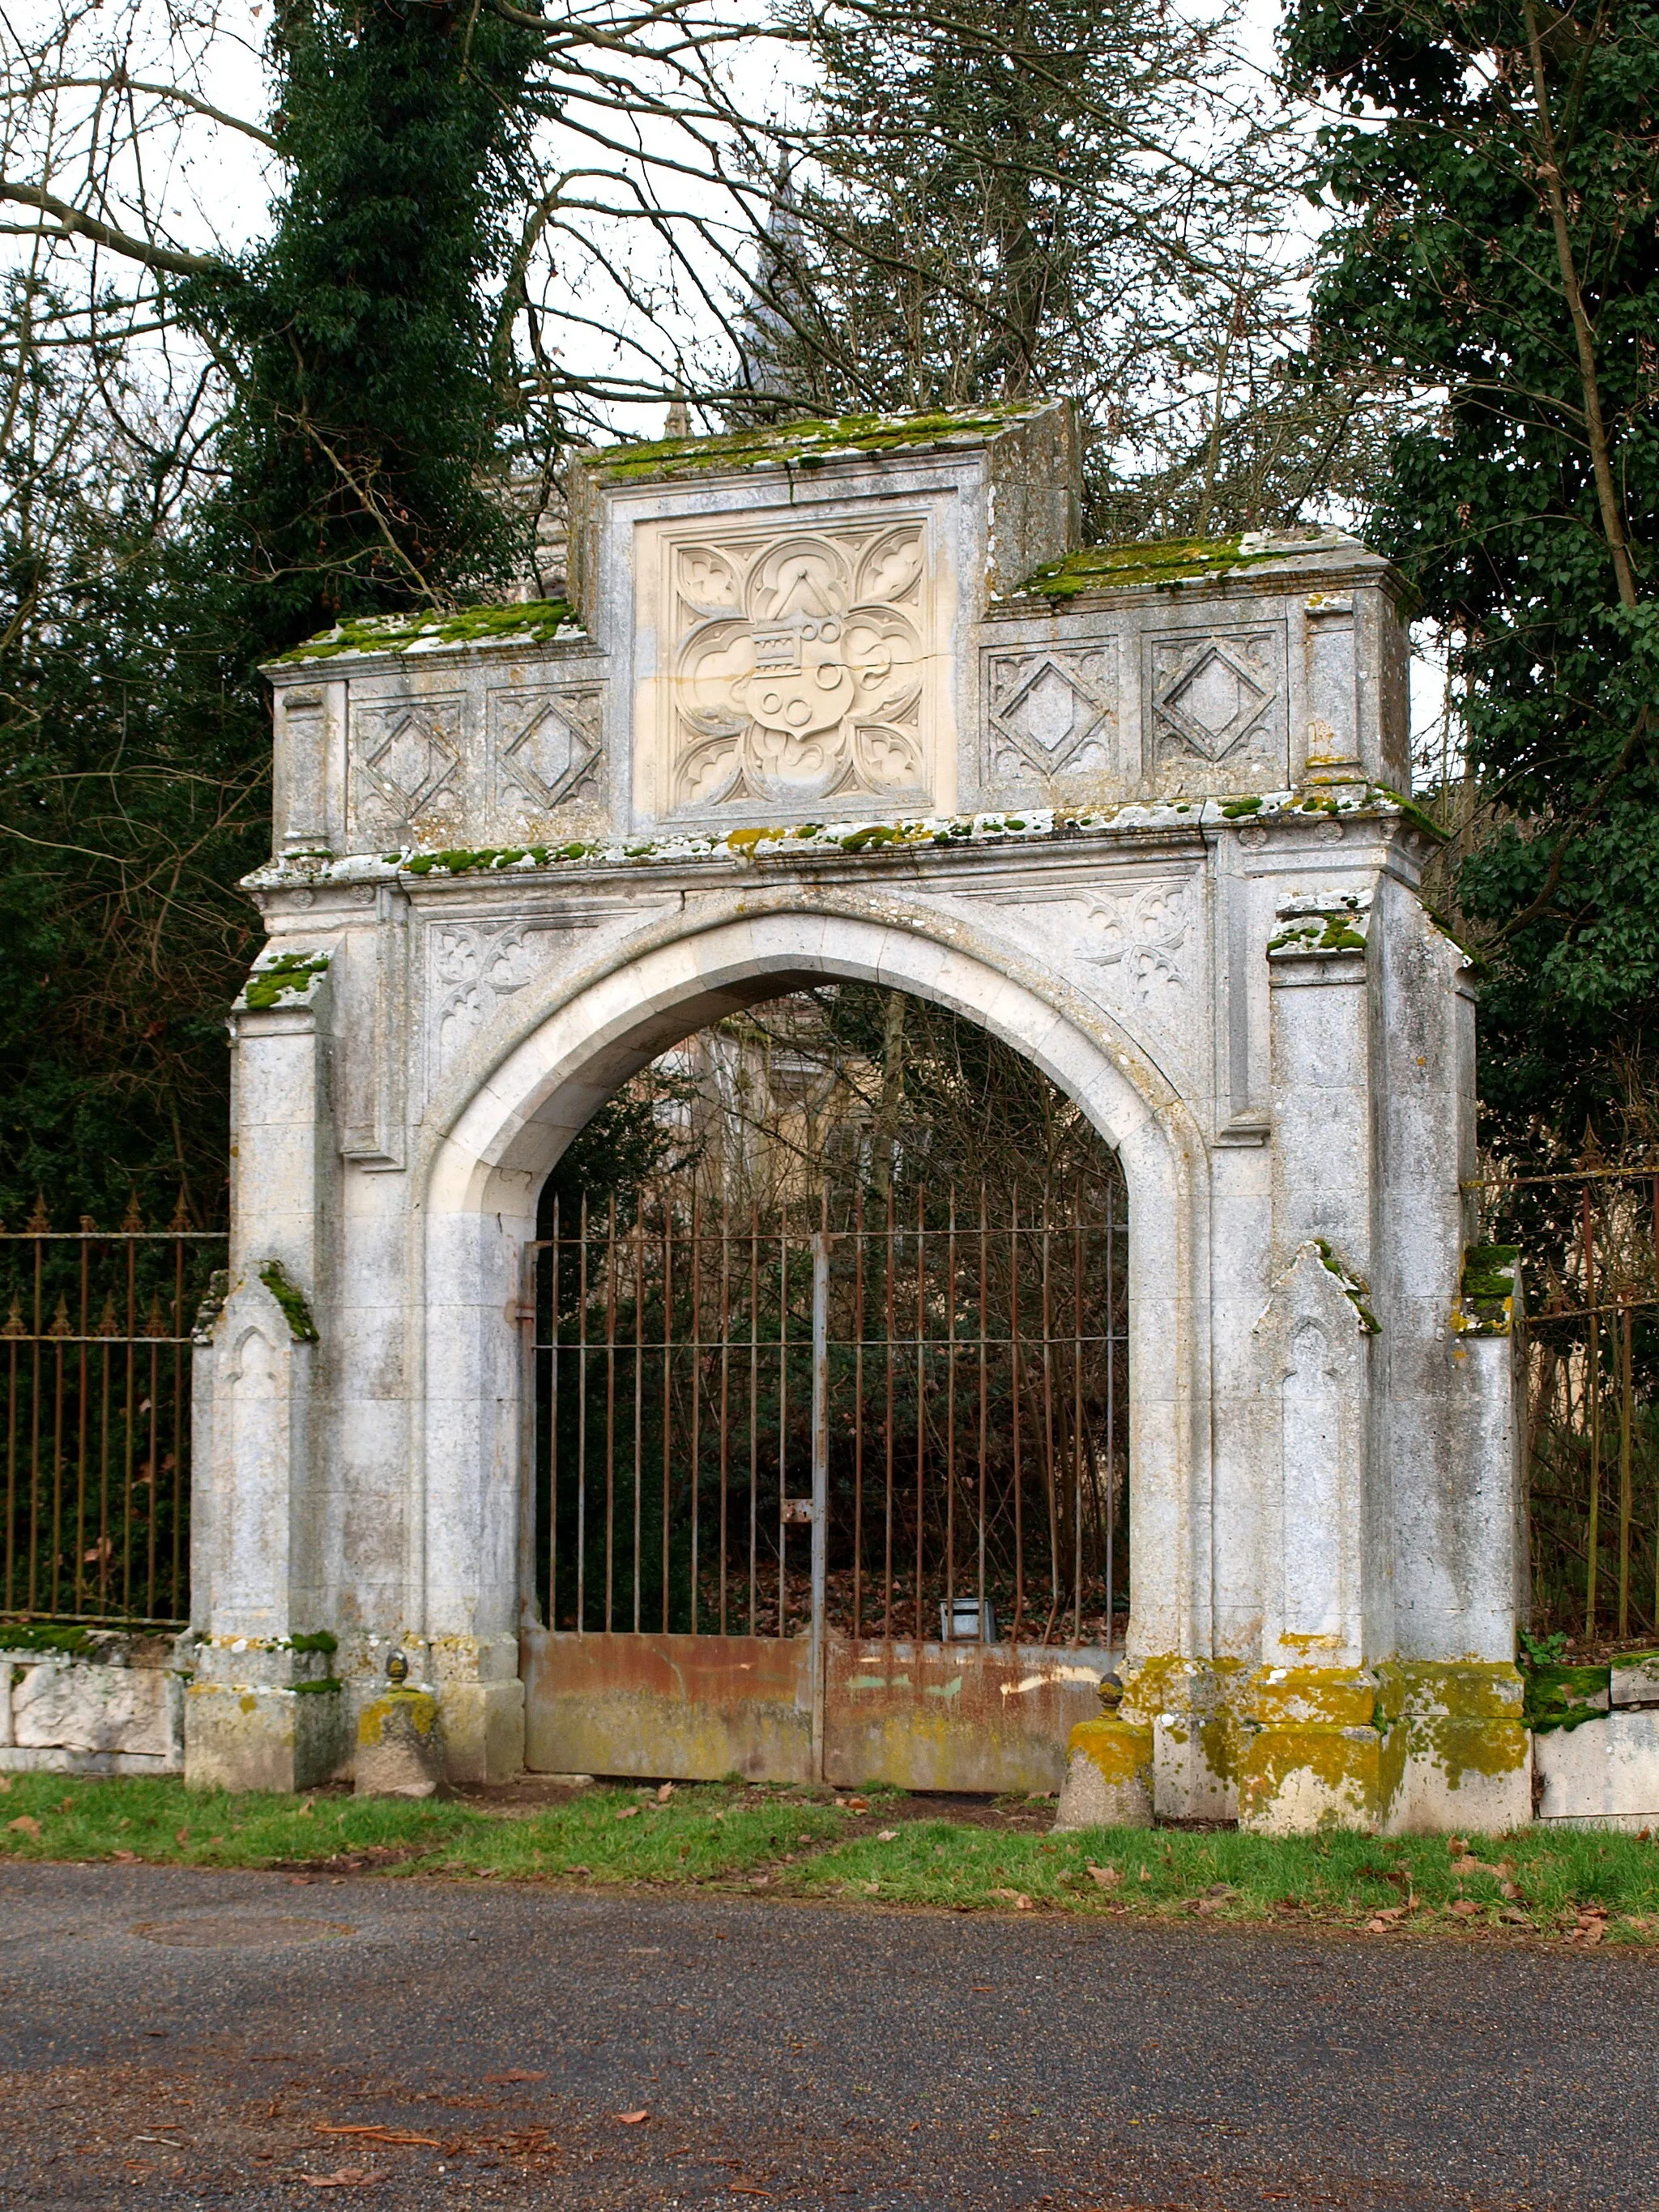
1217	708
1052	711
798	668
472	967
405	769
545	747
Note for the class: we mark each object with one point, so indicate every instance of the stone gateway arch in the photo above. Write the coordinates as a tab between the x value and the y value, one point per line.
850	700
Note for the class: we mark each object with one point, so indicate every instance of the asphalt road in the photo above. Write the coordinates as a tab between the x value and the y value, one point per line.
170	2037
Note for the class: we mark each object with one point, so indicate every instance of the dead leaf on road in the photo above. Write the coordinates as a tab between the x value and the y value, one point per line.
633	2119
347	2177
376	2133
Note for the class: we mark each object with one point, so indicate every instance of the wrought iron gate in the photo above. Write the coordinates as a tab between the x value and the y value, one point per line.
838	1494
94	1429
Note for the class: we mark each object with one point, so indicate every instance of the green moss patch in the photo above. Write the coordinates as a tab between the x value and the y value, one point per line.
1158	563
296	1310
531	622
1486	1291
287	976
1561	1697
801	445
37	1636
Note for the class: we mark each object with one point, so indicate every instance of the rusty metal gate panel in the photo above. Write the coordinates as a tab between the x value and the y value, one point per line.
95	1418
833	1497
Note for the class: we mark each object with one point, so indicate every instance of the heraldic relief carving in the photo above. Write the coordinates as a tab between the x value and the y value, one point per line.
798	667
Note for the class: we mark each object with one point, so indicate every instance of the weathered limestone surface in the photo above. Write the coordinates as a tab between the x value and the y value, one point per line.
814	718
113	1707
1604	1774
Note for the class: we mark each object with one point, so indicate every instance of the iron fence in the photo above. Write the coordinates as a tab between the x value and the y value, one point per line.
1588	1243
95	1431
941	1375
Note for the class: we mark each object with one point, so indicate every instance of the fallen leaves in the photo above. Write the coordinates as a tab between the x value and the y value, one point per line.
629	1813
24	1825
347	2177
664	1793
633	2119
1389	1916
514	2074
887	1836
374	2133
1106	1877
1017	1898
853	1804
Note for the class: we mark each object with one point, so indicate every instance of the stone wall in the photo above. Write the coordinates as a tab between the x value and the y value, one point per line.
111	1704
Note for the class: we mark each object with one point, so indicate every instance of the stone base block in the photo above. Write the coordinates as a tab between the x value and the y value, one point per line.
400	1746
1603	1774
1312	1756
484	1728
1109	1777
1458	1753
260	1738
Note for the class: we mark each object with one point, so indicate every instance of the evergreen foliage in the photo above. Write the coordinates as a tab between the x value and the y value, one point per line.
1525	507
358	466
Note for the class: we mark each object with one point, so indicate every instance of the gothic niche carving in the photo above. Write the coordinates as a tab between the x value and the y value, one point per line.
1053	711
405	766
798	668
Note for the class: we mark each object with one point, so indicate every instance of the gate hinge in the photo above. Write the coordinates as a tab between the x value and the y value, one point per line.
797	1509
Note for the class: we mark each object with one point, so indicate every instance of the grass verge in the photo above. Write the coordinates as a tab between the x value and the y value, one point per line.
1577	1886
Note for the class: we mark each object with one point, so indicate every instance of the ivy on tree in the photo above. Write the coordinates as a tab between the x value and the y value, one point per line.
1498	254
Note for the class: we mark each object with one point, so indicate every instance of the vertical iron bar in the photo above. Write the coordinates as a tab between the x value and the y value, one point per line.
556	1279
1013	1354
858	1412
951	1427
529	1266
887	1557
754	1410
921	1389
696	1388
610	1411
1049	1474
984	1393
820	1485
1625	1412
1593	1383
1111	1413
725	1389
668	1392
582	1423
79	1562
783	1420
639	1399
1077	1417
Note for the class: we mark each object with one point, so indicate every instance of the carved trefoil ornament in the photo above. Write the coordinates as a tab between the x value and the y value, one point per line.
406	764
1053	711
797	668
1139	935
546	746
1219	697
473	966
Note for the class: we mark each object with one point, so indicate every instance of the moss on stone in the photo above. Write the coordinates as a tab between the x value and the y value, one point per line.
287	976
800	445
43	1636
1565	1696
531	622
292	1300
1486	1298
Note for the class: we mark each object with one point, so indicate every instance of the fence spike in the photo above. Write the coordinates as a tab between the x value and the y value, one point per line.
39	1222
14	1322
107	1323
88	1226
132	1223
60	1320
181	1220
154	1320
